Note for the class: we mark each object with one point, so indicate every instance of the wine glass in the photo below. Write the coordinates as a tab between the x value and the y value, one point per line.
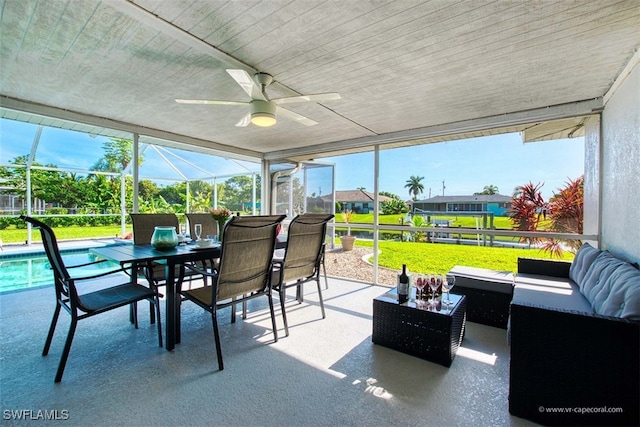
448	283
434	284
198	230
421	282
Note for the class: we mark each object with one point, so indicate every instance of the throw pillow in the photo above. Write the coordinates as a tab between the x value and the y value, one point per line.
621	294
599	271
581	263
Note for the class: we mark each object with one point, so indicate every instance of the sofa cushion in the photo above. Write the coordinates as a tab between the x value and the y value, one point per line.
483	279
551	292
581	263
598	273
619	295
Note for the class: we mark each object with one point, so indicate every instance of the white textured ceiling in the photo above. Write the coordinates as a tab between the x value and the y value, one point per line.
399	66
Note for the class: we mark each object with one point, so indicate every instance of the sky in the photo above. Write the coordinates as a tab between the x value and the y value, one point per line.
465	166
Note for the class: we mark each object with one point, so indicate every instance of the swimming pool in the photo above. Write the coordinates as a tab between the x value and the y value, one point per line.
27	271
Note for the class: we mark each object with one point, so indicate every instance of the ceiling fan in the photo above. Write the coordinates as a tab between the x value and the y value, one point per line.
264	110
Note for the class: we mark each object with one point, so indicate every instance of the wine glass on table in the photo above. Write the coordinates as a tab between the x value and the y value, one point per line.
183	232
434	284
447	284
421	282
198	230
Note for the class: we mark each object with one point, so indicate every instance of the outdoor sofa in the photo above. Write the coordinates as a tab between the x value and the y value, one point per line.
574	331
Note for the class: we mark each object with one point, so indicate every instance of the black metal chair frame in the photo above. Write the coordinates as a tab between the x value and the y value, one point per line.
81	306
303	258
237	280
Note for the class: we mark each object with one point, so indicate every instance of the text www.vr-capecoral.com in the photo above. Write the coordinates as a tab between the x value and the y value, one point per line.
580	410
35	414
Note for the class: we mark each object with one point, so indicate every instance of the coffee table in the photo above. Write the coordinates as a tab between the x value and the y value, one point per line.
416	330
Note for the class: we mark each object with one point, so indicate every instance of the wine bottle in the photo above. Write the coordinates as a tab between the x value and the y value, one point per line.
403	285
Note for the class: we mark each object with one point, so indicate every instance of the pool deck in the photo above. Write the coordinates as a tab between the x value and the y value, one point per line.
10	250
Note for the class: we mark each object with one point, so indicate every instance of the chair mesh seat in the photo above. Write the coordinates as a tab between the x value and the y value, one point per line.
113	297
203	295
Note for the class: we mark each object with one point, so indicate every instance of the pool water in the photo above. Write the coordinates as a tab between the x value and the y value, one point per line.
33	271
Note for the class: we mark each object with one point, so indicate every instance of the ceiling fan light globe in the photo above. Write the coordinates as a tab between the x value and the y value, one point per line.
263	119
263	113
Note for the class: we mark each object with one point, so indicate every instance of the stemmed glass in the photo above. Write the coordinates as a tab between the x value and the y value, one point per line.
448	283
434	283
421	282
197	228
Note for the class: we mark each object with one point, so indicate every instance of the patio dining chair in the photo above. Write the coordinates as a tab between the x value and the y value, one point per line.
243	273
209	225
303	258
99	299
143	227
209	228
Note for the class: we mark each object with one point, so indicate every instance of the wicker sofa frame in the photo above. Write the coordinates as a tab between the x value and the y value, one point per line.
585	363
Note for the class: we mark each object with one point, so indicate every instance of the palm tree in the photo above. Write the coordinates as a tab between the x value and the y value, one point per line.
490	190
415	186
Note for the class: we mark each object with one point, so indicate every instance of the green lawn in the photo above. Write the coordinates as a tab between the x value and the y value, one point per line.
440	258
12	235
458	221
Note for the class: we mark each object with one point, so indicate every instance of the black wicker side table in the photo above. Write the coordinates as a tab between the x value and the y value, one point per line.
488	293
429	334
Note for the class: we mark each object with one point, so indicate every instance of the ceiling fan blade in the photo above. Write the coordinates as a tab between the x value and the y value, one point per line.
318	97
209	102
244	122
296	117
247	83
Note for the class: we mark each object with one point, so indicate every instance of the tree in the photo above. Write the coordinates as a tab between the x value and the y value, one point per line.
174	194
415	186
488	190
118	155
147	189
394	206
46	185
389	194
238	192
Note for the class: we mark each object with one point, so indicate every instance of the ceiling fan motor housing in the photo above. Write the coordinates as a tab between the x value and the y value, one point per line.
264	79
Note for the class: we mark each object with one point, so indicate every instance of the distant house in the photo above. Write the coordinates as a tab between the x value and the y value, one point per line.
358	201
496	204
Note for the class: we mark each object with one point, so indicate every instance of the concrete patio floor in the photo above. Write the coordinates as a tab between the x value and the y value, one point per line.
327	372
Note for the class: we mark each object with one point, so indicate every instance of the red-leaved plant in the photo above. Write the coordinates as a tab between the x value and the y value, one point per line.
564	211
566	214
528	208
